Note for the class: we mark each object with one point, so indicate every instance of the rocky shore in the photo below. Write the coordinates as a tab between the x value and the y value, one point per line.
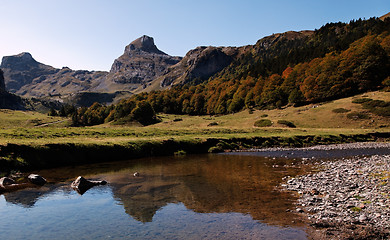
347	198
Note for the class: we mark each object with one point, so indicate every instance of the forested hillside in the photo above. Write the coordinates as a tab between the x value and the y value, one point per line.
337	60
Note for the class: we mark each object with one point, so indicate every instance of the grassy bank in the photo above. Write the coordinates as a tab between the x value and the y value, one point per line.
27	156
33	140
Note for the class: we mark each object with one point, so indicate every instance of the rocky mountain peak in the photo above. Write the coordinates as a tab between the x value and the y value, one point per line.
21	69
19	61
145	44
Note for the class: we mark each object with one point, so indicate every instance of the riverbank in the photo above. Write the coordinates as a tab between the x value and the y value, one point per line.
348	198
38	156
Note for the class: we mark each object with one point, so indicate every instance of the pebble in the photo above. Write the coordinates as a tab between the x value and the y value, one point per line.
352	190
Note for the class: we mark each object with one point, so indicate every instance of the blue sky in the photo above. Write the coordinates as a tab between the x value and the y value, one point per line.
90	34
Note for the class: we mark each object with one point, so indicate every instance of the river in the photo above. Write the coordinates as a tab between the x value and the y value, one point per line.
212	196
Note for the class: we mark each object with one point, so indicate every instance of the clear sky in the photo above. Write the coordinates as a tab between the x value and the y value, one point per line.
90	34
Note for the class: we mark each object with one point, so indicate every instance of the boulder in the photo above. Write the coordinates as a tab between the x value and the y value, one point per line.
9	185
5	181
81	185
36	179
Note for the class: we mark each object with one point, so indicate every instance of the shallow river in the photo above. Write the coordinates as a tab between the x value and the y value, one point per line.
192	197
216	196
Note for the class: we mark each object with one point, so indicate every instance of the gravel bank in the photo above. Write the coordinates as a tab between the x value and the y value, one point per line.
323	151
348	198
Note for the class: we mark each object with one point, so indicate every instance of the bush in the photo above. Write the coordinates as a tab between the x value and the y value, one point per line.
264	115
340	110
382	111
263	123
287	123
212	124
180	153
357	116
361	100
375	103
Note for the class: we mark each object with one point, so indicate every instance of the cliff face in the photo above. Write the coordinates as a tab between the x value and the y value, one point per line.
2	83
199	64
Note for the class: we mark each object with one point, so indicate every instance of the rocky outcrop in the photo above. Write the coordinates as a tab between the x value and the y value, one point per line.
199	64
81	185
8	100
2	83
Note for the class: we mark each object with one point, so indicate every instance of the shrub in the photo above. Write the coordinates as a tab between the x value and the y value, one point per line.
357	116
263	123
375	103
212	124
382	111
340	110
177	119
287	123
361	100
264	115
180	153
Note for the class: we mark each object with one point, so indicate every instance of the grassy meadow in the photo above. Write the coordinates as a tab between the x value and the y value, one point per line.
34	128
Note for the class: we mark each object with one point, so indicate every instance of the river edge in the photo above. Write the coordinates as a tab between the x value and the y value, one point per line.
27	157
345	198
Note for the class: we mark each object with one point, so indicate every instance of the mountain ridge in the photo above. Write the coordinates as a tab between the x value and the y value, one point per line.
143	67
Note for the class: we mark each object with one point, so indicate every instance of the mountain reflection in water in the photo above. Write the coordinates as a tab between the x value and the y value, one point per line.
204	184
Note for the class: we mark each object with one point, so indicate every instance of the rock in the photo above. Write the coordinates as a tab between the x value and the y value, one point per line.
9	185
300	210
5	181
81	185
36	179
314	192
362	218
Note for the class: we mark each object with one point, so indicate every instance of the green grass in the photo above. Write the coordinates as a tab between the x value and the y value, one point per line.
20	127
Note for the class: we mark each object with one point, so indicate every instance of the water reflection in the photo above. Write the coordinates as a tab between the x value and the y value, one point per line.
204	184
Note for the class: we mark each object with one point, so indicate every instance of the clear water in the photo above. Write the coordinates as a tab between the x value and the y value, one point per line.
193	197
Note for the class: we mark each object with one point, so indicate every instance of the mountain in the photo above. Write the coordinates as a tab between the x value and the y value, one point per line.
140	63
284	68
21	69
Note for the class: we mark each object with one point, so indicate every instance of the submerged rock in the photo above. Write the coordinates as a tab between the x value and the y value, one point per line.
81	185
36	179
